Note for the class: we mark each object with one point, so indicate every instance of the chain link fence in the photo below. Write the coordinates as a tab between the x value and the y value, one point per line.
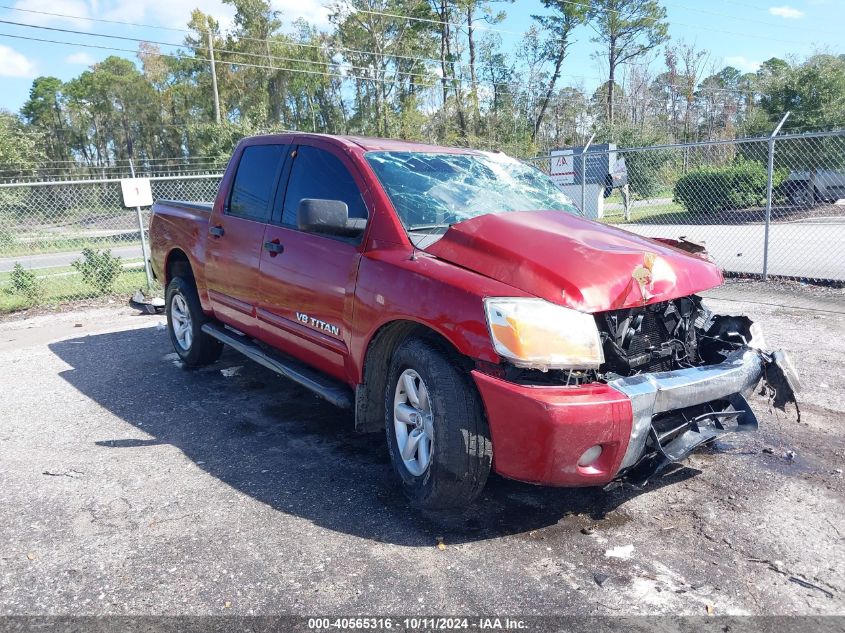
766	207
73	239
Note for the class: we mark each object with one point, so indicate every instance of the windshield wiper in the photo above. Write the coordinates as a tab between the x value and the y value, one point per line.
429	227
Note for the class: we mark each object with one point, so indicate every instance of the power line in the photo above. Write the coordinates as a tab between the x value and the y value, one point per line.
218	50
460	25
434	79
581	4
253	39
230	63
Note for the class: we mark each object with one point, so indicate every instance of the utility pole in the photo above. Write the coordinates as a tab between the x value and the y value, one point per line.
213	76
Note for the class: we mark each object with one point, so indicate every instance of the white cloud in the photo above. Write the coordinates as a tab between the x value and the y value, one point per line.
67	7
314	11
13	64
171	13
81	58
742	63
789	13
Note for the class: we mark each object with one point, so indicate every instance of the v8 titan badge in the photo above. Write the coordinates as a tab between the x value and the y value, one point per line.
317	324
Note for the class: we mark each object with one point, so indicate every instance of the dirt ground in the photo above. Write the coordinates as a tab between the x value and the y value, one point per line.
129	485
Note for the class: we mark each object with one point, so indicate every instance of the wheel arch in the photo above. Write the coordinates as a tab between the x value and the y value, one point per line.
369	414
177	264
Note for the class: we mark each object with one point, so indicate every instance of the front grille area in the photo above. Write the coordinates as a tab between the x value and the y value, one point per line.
651	334
658	337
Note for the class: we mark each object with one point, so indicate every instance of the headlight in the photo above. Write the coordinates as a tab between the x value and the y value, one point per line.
541	335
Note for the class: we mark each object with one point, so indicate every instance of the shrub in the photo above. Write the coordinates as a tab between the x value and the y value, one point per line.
100	269
739	185
646	171
25	283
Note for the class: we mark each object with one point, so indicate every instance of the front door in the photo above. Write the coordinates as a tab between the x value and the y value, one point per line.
308	280
233	250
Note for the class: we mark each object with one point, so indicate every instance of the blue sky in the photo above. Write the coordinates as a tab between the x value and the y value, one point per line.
740	33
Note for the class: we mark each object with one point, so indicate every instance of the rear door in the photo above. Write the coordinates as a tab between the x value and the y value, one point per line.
308	280
236	235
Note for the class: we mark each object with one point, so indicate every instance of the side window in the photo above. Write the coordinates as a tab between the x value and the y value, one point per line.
318	174
253	187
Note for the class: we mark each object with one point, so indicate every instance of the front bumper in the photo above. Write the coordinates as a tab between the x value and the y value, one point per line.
540	433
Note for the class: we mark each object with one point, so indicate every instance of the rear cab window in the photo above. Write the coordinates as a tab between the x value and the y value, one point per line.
255	182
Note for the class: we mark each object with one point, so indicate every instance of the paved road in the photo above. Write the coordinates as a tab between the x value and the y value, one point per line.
795	249
131	486
58	260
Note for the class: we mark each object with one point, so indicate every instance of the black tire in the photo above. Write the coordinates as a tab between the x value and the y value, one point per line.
801	194
462	451
203	349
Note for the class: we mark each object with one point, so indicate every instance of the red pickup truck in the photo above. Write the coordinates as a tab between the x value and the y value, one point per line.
457	300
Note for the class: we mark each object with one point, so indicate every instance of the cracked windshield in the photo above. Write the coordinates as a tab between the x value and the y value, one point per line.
432	191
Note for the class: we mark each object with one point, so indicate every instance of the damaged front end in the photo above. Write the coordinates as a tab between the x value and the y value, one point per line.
687	373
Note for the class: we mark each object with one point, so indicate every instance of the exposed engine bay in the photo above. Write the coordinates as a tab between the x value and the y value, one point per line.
675	334
681	336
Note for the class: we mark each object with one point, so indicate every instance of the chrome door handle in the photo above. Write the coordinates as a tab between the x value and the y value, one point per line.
274	248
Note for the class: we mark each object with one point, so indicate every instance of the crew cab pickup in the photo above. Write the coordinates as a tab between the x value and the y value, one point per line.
457	301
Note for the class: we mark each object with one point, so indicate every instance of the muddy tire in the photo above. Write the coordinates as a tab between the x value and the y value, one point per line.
185	319
437	433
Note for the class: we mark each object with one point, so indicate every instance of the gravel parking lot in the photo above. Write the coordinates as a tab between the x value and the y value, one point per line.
129	485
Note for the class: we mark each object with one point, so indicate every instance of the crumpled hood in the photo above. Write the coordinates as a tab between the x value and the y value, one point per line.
572	261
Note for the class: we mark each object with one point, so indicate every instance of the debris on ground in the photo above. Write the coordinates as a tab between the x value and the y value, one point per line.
588	530
790	455
623	551
440	544
73	474
228	372
600	579
152	305
769	451
809	585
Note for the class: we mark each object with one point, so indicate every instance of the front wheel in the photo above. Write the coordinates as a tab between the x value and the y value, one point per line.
185	319
437	433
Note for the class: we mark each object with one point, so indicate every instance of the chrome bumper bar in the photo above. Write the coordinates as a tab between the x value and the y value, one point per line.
660	392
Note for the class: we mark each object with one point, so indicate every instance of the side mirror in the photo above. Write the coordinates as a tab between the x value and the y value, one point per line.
330	217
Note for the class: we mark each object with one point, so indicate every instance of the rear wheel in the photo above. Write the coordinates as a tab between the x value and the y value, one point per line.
437	433
185	319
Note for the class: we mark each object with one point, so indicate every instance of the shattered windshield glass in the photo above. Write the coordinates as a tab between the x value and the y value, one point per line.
431	190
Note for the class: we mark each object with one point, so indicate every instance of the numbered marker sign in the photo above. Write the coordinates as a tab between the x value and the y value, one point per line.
563	167
136	192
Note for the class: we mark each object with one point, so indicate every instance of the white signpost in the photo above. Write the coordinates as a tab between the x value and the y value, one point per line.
138	193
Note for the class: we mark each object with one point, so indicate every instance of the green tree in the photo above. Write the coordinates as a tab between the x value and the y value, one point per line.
627	29
20	147
44	112
559	24
813	91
